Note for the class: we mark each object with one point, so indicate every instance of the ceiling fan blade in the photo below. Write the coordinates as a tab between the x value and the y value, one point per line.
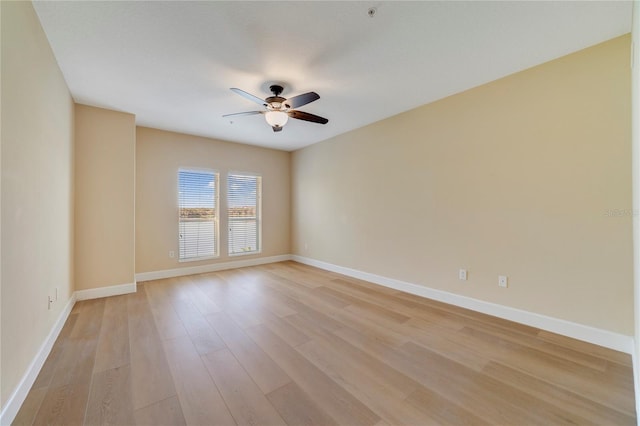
298	101
277	128
249	96
307	117
244	113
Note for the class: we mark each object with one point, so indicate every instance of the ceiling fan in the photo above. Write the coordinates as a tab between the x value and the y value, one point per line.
278	109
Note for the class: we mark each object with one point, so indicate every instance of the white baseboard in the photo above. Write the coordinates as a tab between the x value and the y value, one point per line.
202	269
608	339
16	399
112	290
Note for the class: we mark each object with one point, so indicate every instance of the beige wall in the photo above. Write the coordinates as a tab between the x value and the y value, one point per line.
37	191
104	203
159	155
511	178
635	143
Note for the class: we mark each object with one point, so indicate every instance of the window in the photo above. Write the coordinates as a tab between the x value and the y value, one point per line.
243	207
198	214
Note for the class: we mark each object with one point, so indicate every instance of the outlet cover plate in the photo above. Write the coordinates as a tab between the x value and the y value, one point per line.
503	281
462	274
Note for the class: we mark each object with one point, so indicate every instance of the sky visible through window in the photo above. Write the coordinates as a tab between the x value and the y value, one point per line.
243	189
197	189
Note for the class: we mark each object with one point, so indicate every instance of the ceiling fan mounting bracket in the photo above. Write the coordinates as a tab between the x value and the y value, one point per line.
276	89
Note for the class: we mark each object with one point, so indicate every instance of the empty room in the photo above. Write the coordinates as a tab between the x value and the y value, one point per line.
319	213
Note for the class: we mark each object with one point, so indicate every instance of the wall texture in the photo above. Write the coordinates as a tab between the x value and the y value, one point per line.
104	203
37	191
528	176
159	155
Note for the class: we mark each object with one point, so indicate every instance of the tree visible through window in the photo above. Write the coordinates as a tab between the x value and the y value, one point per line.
198	215
243	208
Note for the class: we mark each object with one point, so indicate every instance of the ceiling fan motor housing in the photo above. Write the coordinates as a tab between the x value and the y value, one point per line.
275	99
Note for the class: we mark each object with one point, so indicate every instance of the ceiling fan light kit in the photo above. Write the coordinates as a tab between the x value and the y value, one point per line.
276	118
278	109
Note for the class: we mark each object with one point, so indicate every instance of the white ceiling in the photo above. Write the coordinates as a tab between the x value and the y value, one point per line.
172	63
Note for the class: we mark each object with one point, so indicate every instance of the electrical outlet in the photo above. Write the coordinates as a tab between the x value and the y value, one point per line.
172	254
462	274
50	302
503	281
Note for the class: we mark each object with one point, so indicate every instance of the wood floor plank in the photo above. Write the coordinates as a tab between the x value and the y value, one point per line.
383	399
64	405
467	383
206	340
113	343
27	413
450	344
333	297
284	275
167	321
87	326
297	408
245	400
533	342
584	347
443	411
255	292
110	400
357	362
308	270
359	287
166	412
327	319
51	364
151	380
337	402
571	401
235	302
199	397
304	324
198	328
292	335
377	314
561	371
360	294
203	304
68	392
460	385
365	326
262	369
244	317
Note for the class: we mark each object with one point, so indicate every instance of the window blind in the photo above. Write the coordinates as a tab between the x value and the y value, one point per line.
198	214
243	211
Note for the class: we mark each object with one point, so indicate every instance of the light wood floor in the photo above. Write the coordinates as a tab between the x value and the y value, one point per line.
289	344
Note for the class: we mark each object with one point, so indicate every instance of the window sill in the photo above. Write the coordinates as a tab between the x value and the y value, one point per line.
245	253
197	259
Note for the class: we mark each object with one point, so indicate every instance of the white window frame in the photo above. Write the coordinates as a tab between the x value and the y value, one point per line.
216	220
258	219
